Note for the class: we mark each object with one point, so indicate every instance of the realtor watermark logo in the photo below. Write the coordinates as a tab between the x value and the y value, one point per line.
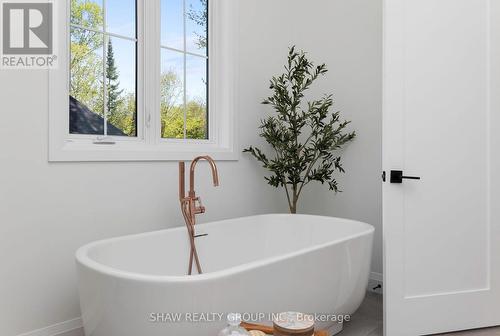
27	35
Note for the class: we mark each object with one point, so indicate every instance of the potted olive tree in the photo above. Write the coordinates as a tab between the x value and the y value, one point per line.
304	137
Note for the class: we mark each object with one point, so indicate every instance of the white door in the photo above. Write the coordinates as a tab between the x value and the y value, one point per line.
442	123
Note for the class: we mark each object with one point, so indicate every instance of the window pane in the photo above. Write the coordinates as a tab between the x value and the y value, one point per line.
121	87
172	94
87	13
172	24
196	26
120	17
196	89
86	84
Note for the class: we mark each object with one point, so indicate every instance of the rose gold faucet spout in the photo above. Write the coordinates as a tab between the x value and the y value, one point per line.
213	166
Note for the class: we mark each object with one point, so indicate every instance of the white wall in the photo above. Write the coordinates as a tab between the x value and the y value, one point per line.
352	48
48	210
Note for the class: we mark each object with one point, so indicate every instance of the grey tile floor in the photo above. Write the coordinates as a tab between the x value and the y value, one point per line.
76	332
367	321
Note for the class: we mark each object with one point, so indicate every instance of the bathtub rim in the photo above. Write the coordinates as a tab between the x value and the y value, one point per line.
82	257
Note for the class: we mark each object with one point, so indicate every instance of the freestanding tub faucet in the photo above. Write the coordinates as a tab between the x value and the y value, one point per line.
191	205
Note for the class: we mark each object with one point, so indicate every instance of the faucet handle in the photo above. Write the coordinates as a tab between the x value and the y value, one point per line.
200	209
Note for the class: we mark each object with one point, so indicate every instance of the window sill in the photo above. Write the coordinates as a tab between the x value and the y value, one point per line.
79	151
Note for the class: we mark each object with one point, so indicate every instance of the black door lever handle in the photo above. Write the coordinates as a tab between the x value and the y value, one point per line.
398	177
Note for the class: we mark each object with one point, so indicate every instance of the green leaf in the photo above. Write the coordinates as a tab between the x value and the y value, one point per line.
302	136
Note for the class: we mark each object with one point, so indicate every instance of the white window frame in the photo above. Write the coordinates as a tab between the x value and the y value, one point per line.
148	145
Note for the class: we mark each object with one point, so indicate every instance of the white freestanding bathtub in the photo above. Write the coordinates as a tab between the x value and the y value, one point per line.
136	285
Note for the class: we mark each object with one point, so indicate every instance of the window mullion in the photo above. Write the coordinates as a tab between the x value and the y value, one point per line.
104	82
156	70
100	32
149	39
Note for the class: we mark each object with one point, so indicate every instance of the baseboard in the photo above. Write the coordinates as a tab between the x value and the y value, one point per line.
66	328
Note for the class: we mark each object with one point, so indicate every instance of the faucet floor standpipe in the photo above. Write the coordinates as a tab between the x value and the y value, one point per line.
191	205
